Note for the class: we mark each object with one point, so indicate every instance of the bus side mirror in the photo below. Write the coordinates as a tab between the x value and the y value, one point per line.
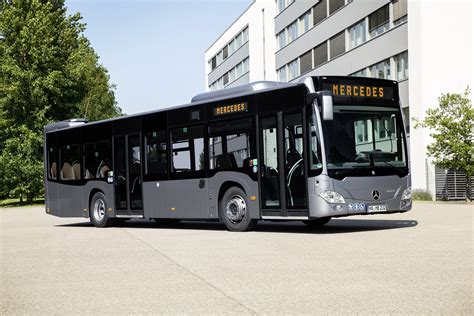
325	99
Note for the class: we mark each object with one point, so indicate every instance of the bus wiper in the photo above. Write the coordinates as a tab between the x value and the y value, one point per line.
397	169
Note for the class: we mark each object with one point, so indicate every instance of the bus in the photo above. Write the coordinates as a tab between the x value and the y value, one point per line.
324	147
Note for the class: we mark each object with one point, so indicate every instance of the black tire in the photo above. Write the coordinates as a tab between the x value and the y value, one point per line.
317	222
98	211
234	211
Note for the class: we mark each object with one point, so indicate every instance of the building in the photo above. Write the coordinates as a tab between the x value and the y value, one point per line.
425	45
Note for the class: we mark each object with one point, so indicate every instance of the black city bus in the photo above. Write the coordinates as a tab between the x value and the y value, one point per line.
321	148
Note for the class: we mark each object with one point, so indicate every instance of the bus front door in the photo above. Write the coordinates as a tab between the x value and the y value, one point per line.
282	171
128	176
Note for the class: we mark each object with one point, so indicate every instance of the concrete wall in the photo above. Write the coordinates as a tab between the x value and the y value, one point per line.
440	61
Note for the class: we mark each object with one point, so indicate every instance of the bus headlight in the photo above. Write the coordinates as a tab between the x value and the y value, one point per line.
406	195
332	197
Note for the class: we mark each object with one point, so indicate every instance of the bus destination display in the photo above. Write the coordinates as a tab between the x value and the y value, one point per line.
229	109
360	90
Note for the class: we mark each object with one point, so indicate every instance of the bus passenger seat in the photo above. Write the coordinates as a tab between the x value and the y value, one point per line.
53	174
76	171
66	172
104	170
88	175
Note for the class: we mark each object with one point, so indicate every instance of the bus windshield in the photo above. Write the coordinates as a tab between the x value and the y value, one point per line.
365	137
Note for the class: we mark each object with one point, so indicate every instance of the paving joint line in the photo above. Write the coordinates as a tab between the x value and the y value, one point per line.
192	273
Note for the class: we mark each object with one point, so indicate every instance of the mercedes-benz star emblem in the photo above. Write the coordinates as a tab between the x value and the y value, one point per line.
375	194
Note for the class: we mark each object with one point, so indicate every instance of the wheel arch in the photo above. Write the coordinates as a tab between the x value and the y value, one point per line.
226	186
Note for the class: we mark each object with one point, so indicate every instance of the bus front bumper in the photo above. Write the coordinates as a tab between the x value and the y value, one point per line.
318	207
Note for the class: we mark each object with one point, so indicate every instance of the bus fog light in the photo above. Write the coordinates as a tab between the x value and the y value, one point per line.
332	197
338	207
406	195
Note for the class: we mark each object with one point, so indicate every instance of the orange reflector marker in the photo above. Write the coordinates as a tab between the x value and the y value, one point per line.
253	198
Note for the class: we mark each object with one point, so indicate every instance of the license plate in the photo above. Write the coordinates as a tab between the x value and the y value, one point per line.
376	208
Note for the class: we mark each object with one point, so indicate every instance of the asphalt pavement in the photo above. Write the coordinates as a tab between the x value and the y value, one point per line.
417	262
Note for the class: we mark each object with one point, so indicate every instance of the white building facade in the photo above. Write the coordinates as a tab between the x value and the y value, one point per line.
425	45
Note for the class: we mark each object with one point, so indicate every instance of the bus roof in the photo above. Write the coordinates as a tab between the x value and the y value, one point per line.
247	89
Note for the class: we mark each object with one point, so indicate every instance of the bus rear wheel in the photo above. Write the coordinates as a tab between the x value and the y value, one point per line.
234	211
98	211
318	221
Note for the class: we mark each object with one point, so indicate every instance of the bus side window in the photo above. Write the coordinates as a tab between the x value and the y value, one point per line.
229	144
97	159
155	152
188	149
53	166
70	156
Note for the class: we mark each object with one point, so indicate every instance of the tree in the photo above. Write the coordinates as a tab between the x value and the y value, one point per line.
48	72
452	126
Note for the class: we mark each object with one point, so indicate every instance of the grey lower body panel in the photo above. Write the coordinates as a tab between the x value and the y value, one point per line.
194	198
69	200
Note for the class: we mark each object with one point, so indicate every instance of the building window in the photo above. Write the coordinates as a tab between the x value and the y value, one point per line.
357	34
337	45
306	62
381	70
238	70
362	128
226	78
238	41
213	63
245	34
225	52
246	65
232	74
231	47
401	66
379	21
292	32
335	5
321	54
293	69
281	39
320	12
360	73
399	11
282	4
282	74
305	22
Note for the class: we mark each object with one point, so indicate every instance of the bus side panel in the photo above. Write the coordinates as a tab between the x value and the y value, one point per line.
51	202
70	200
154	197
176	199
250	187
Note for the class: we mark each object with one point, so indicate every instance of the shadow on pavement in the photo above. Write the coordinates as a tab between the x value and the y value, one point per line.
335	226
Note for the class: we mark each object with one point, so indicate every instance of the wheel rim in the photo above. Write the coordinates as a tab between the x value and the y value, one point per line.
99	210
236	209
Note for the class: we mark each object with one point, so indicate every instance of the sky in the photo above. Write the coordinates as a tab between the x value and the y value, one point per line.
154	50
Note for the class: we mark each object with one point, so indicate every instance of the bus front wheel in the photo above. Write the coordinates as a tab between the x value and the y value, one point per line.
317	222
234	211
98	209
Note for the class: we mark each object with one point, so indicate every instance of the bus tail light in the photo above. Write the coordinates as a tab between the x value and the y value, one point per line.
332	197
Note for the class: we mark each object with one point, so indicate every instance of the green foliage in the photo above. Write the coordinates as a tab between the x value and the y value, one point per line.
452	128
48	72
420	195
